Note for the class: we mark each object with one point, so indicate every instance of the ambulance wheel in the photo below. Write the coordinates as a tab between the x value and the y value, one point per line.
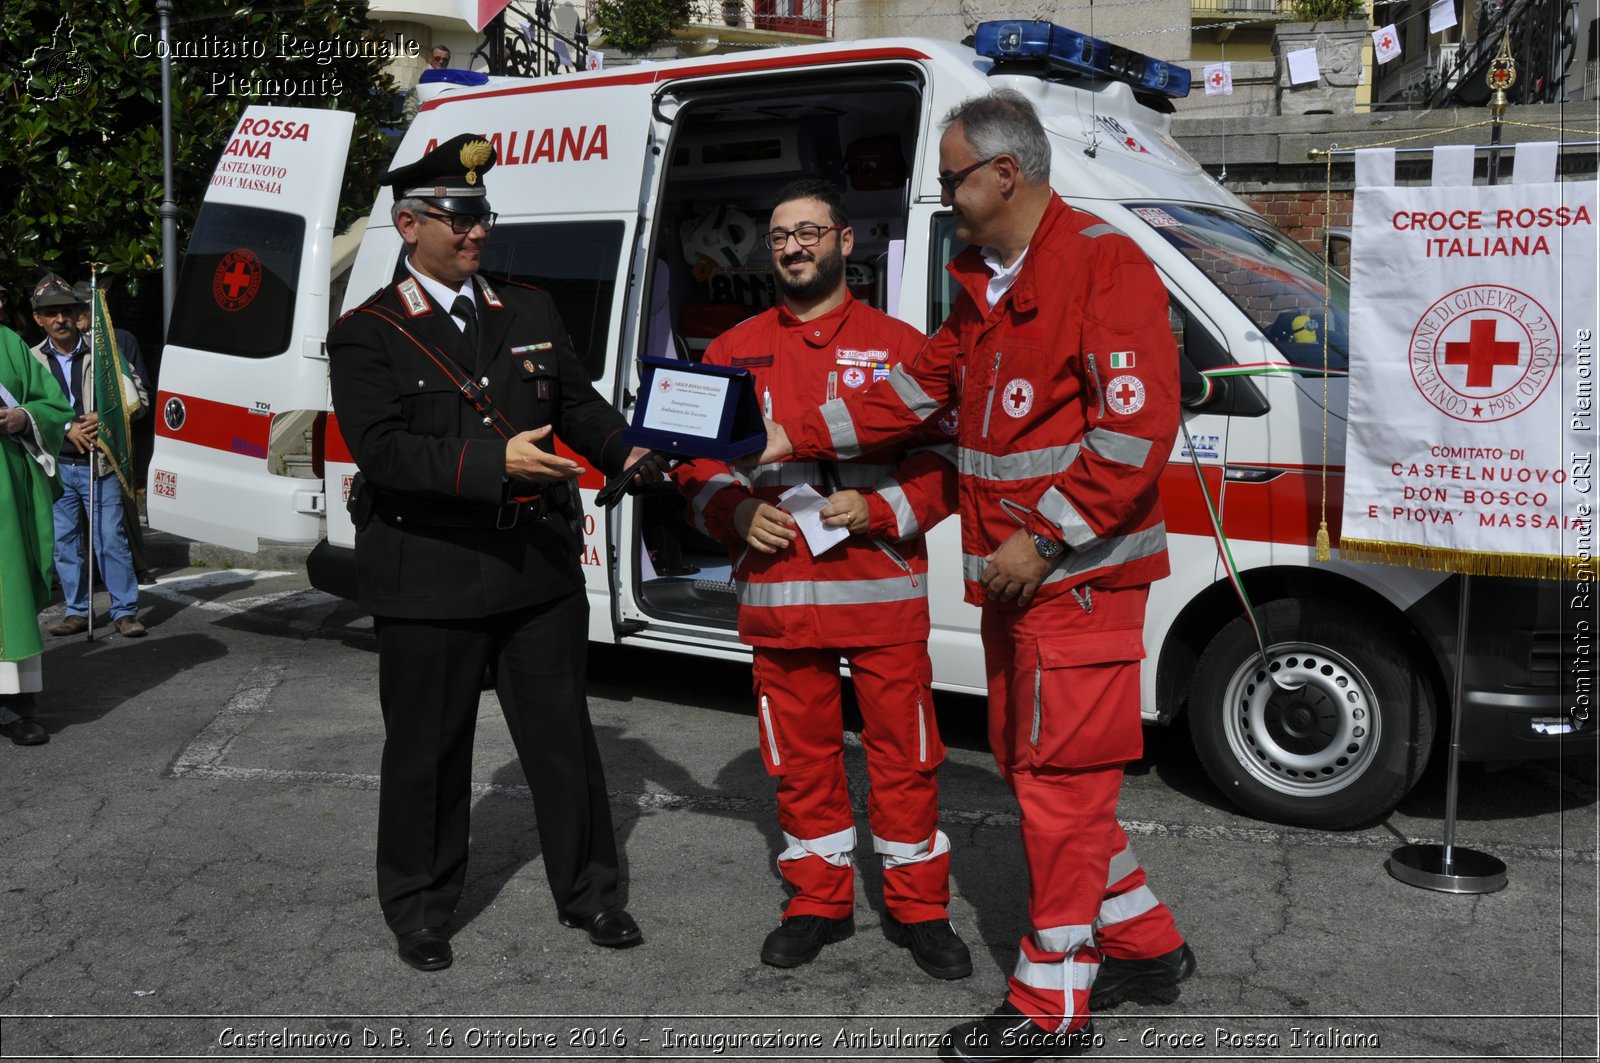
1342	745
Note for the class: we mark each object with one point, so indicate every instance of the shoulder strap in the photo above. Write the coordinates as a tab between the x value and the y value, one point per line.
476	395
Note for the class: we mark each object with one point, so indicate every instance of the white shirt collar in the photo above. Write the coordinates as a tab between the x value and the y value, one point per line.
1003	276
442	295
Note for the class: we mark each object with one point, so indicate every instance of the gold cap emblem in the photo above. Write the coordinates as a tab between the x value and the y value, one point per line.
475	153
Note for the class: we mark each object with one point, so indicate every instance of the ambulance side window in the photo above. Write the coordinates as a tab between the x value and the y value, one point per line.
943	245
236	288
576	263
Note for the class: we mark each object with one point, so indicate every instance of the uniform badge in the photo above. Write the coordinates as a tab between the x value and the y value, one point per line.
950	423
525	348
489	295
1125	394
416	303
854	377
1122	360
1017	398
527	366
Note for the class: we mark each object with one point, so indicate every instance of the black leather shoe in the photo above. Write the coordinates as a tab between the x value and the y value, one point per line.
934	944
614	929
426	950
25	732
1010	1035
800	938
1152	981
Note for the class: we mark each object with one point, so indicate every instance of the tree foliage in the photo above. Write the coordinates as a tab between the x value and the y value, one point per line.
639	25
80	118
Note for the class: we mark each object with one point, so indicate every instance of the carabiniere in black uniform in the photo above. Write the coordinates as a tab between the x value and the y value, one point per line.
463	567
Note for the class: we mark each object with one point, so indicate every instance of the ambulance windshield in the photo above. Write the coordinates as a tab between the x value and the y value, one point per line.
1276	282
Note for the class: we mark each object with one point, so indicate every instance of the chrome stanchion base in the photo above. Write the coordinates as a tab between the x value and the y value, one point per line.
1469	871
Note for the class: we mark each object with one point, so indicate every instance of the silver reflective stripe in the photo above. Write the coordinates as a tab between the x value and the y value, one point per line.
898	854
703	499
1117	446
1099	229
772	736
1058	510
904	518
860	474
1114	551
1063	938
1127	906
835	848
1056	977
911	393
841	429
922	733
1021	465
1038	703
793	473
1122	865
830	592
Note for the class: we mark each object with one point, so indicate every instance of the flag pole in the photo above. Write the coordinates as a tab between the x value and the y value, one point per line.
94	457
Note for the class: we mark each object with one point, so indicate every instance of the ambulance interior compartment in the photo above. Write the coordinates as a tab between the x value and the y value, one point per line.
730	153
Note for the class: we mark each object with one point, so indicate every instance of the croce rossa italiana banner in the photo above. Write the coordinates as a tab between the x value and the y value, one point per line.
1472	408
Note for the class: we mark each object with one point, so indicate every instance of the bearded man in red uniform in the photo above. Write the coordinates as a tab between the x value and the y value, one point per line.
863	600
1058	356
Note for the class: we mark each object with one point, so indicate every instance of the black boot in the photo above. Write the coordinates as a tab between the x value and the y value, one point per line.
800	938
1151	981
1010	1035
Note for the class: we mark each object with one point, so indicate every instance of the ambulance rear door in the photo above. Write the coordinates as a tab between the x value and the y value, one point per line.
243	399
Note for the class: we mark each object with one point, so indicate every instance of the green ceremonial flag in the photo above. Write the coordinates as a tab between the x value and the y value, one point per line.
110	400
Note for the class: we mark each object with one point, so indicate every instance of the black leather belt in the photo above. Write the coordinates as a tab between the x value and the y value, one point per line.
71	459
504	517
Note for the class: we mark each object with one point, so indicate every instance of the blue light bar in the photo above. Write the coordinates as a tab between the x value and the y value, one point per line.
1062	50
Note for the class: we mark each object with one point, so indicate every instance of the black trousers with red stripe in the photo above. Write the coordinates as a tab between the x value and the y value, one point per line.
430	674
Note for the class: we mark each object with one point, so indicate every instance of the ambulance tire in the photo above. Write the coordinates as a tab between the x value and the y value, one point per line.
1338	750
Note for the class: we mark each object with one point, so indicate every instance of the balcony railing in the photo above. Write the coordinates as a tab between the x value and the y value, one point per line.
809	18
1241	10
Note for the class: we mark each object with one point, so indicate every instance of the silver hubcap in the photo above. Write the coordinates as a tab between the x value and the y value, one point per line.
1314	738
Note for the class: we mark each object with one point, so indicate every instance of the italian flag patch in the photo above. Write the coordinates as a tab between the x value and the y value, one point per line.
1122	359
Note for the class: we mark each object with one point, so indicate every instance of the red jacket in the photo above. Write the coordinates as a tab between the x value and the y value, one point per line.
1068	393
869	590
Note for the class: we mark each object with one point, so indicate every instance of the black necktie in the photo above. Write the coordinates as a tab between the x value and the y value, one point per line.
467	310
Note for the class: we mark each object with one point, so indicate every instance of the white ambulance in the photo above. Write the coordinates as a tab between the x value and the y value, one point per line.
635	197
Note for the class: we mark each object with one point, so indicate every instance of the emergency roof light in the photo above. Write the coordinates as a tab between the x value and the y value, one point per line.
1035	46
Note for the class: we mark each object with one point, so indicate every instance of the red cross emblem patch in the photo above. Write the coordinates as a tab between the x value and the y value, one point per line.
1016	398
1125	394
236	280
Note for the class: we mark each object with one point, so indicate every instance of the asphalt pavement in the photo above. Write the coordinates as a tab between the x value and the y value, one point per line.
187	872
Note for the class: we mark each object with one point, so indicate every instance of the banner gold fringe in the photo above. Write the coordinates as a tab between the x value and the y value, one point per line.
1472	563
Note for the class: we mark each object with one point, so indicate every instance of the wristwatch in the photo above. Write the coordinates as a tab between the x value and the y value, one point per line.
1048	548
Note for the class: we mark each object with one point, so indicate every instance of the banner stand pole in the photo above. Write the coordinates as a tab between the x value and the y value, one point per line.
1450	868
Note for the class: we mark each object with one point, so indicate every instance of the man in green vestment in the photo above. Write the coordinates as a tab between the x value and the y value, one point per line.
33	417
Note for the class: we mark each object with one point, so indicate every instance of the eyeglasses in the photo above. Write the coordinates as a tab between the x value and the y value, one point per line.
805	236
438	60
952	181
462	224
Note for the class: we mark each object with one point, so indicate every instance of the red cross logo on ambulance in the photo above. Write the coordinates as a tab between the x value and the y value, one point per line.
237	279
1017	398
1125	394
1483	353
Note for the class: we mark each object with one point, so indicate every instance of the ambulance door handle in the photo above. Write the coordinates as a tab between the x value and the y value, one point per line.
312	502
627	399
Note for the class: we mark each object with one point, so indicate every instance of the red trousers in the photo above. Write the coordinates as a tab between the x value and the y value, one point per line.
1063	721
801	732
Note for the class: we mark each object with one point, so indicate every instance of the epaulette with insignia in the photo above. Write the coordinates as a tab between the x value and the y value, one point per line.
368	301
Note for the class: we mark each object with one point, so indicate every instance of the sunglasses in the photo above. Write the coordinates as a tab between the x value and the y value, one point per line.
462	224
952	181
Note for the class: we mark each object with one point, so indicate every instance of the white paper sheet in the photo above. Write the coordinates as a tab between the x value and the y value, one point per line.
805	506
